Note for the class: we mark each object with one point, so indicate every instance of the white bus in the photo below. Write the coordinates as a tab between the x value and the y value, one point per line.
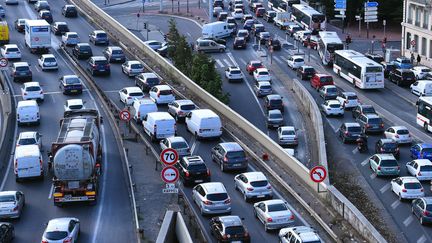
308	17
424	113
328	43
281	5
355	67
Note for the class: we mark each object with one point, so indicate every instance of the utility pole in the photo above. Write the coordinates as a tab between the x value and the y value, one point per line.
359	18
367	30
187	6
384	24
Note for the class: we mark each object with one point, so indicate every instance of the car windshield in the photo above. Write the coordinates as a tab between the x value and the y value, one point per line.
259	183
33	88
235	72
56	235
7	198
354	129
179	145
117	52
197	167
277	207
236	154
334	105
27	141
22	69
288	132
402	132
101	35
75	107
217	196
374	121
242	34
326	79
352	97
136	66
50	59
368	109
427	150
426	168
72	81
275	116
136	94
412	185
389	145
234	230
187	107
389	163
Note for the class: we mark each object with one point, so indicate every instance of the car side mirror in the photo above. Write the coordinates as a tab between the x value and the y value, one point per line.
84	102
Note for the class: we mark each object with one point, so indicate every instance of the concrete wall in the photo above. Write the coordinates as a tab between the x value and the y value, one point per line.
173	229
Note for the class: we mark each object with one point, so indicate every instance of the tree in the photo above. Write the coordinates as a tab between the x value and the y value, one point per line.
172	37
182	57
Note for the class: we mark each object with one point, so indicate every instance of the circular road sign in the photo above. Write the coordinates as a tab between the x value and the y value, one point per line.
3	62
36	38
169	156
318	174
125	115
413	43
170	174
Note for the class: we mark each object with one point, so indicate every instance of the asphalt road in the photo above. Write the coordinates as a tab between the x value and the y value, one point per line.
113	204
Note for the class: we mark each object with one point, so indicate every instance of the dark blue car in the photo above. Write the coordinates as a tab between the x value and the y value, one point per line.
421	151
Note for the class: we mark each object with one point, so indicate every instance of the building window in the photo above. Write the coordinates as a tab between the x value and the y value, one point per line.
417	17
416	39
423	46
408	40
426	19
430	48
410	14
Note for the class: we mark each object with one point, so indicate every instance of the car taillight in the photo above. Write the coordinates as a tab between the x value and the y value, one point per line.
246	234
419	174
187	173
25	93
94	65
269	220
107	65
206	202
292	217
382	125
181	113
225	159
227	201
208	172
67	240
404	190
44	241
396	136
346	133
225	236
15	208
7	52
379	168
250	189
368	125
426	213
382	149
41	163
129	98
269	186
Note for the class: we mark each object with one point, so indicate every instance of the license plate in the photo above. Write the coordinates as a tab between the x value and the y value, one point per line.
74	91
236	165
118	59
101	70
237	241
260	196
198	181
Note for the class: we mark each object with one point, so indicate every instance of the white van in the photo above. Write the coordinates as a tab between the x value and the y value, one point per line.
141	107
422	88
27	112
28	162
204	124
159	125
216	29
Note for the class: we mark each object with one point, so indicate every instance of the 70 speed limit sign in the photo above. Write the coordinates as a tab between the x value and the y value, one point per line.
169	156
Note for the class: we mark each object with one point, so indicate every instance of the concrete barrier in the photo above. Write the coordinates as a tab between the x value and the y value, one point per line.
173	229
7	125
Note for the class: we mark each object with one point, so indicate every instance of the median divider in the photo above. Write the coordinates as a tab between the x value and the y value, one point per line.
256	141
7	124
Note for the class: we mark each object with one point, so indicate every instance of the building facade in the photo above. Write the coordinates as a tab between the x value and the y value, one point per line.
417	30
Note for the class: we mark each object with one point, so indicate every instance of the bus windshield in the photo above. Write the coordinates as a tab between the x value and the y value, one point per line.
318	18
373	69
334	47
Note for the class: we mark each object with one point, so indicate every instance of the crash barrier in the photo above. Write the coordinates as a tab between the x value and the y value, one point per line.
7	120
239	127
173	229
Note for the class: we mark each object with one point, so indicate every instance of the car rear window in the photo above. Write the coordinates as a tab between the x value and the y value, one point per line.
197	167
276	102
334	105
375	121
332	90
75	107
85	48
101	35
7	198
101	62
326	79
309	70
136	94
56	235
33	88
408	75
22	69
12	49
354	129
152	81
368	109
179	145
412	185
72	36
352	97
187	107
235	72
298	60
389	163
259	183
427	150
217	196
277	207
72	81
263	73
256	64
26	141
236	154
390	145
50	59
402	132
117	52
405	61
234	230
136	66
275	116
265	87
165	92
425	70
288	132
426	168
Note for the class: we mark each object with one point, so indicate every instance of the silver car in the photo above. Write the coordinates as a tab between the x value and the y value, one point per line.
62	230
263	88
274	214
11	204
179	109
212	198
274	118
253	185
177	143
287	136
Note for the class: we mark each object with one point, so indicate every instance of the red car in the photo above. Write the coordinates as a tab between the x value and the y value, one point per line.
253	65
320	79
311	41
259	12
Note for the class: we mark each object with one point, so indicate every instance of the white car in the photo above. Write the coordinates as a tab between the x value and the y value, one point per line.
420	168
332	107
262	74
348	99
62	230
10	2
399	134
274	214
299	234
128	94
234	74
407	187
132	68
287	136
74	104
295	61
11	204
70	38
302	35
237	13
29	138
32	91
161	94
289	151
48	62
253	185
421	72
10	51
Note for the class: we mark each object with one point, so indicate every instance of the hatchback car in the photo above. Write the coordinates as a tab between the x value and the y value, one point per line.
371	123
295	61
299	234
229	156
179	109
222	16
234	74
305	72
421	71
161	94
247	17
262	74
421	151
253	185
74	104
348	99
401	77
291	29
99	37
274	101
114	54
274	214
48	62
7	232
328	92
153	44
10	51
384	165
420	168
70	38
407	187
82	51
177	143
362	109
319	80
69	11
71	84
98	65
46	15
239	43
399	134
146	81
269	16
263	88
253	65
259	12
129	94
62	230
349	131
229	229
263	37
20	71
257	28
59	28
332	108
216	11
32	91
274	119
132	68
237	13
41	5
211	198
19	25
29	138
287	136
248	25
243	33
387	146
11	204
422	208
193	170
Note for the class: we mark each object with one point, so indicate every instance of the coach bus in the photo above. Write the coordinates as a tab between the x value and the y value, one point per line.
308	17
328	43
424	112
281	5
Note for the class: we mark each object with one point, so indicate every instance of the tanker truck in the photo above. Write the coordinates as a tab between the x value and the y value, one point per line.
75	158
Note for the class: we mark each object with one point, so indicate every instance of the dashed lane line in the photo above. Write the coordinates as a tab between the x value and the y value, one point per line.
385	188
408	220
395	204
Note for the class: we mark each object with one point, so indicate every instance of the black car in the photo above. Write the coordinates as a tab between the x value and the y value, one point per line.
239	43
375	57
59	28
403	77
69	11
275	44
305	72
98	65
19	25
20	71
46	14
193	170
349	131
273	102
232	226
229	156
70	84
248	25
362	109
82	51
218	3
7	232
387	146
422	208
388	67
269	16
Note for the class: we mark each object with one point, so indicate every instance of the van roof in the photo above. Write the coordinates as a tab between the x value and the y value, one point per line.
213	187
27	151
144	102
161	115
24	103
204	113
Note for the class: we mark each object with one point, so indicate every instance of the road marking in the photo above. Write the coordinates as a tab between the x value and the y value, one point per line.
278	59
422	239
189	34
243	61
365	162
227	63
219	63
395	204
314	57
385	187
51	191
356	151
110	91
373	176
335	129
408	220
37	69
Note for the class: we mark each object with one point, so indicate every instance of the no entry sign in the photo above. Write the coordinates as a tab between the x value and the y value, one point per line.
170	174
125	115
318	174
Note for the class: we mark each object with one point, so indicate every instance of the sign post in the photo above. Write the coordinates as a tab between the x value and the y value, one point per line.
169	174
3	63
359	18
318	174
340	5
370	14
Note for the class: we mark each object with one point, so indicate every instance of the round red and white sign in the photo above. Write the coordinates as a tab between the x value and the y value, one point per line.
125	115
170	174
36	38
169	156
413	43
318	174
3	62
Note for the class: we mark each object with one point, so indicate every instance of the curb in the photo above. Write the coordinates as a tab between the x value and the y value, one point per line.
116	4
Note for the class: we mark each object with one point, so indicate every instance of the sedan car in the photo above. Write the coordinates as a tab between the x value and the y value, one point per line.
132	68
332	107
274	101
74	104
19	25
29	138
263	88
229	229
399	134
82	51
407	187
62	230
10	51
114	54
422	208
295	61
349	131
254	65
32	91
234	74
387	146
70	38
262	74
420	168
253	185
161	94
128	94
59	28
275	119
177	143
71	84
153	44
11	204
348	99
274	214
287	136
47	62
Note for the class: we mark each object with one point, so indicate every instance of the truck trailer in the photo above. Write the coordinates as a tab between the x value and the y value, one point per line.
37	35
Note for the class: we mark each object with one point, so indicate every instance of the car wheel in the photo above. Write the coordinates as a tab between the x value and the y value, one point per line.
421	221
221	50
246	199
222	167
400	197
425	127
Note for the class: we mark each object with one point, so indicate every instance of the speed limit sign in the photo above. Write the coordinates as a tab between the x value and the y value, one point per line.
169	156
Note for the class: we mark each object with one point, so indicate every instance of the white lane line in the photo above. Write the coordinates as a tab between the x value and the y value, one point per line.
277	59
385	187
242	61
227	63
408	220
37	69
219	63
51	191
395	204
373	176
365	162
335	129
110	91
189	34
314	57
422	239
356	151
